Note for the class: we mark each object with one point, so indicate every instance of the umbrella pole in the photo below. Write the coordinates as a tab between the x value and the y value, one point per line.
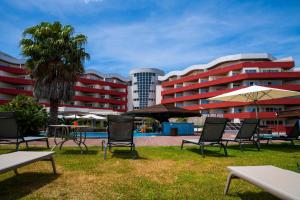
256	110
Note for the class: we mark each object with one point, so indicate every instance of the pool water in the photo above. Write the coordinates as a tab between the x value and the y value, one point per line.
104	134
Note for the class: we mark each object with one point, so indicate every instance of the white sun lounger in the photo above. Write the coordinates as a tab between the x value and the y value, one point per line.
279	182
12	161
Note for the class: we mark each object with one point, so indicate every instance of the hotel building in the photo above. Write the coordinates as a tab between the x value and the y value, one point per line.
191	87
94	91
142	89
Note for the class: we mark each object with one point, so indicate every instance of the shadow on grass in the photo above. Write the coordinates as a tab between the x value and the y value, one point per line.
282	147
21	185
208	152
126	154
254	196
77	151
245	147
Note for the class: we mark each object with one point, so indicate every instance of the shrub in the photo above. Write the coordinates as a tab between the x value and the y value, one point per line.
31	116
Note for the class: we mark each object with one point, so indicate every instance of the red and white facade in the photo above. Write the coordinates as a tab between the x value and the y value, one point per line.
191	87
94	91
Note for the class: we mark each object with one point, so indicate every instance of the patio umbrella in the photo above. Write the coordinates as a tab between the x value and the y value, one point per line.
92	116
255	93
72	117
162	113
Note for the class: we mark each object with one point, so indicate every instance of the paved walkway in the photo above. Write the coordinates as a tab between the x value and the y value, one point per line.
139	141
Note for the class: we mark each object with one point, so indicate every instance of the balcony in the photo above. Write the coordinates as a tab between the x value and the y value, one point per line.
240	77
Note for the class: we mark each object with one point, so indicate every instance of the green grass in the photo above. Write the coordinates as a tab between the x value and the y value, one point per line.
158	173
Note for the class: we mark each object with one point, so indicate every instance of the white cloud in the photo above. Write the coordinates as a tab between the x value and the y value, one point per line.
169	38
91	1
173	43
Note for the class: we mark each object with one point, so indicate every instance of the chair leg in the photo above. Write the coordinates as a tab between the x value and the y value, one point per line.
102	144
293	143
241	145
230	176
17	146
47	143
182	144
202	150
105	151
133	153
27	146
53	165
257	143
225	149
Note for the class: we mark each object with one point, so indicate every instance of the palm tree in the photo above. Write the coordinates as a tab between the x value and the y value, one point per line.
55	58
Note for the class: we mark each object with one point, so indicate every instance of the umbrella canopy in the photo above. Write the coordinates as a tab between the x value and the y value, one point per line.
162	112
72	117
92	116
255	93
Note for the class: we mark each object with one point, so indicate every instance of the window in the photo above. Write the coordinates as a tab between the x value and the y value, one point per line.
252	109
204	101
250	83
270	70
250	71
203	90
20	88
237	110
178	95
272	109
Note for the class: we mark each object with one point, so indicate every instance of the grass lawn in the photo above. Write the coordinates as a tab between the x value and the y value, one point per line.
158	173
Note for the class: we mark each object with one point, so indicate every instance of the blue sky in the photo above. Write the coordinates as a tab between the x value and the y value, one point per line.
170	35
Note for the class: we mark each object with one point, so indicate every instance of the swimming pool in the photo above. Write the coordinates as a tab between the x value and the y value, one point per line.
104	134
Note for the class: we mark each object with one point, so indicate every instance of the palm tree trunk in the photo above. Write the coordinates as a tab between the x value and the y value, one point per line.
53	111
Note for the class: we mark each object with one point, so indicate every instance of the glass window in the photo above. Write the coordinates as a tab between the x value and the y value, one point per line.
250	71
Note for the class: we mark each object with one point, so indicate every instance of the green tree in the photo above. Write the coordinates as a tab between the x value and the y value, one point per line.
31	116
55	57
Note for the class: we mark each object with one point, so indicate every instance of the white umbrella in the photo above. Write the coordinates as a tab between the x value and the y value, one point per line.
72	117
92	116
255	93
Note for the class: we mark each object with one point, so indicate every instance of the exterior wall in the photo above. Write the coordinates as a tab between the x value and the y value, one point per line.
191	90
93	91
158	94
144	81
129	98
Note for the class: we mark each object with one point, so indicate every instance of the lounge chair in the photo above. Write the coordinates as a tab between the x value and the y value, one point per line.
291	136
246	134
120	133
15	160
281	183
211	134
10	133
